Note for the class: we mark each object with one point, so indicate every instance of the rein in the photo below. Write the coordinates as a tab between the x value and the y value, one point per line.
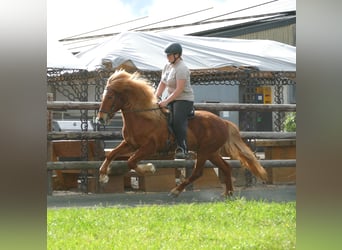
140	110
133	111
128	111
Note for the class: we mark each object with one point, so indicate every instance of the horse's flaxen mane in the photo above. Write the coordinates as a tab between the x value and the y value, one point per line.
139	92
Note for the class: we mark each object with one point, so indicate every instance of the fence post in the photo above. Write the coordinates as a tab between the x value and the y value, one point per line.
49	146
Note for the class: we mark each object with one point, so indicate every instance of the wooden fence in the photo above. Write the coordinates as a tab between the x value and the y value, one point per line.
213	107
121	166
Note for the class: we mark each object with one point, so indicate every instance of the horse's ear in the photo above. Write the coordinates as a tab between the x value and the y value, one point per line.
135	75
118	71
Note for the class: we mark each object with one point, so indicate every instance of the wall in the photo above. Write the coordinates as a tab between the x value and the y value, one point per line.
285	34
217	94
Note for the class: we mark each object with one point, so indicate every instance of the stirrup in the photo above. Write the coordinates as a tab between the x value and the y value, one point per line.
180	154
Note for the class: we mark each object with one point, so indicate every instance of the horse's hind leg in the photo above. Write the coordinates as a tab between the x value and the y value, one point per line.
217	160
196	173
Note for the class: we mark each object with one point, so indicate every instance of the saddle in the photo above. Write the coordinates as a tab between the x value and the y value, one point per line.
191	115
169	119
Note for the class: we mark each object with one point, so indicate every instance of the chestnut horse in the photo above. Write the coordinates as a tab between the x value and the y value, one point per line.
145	132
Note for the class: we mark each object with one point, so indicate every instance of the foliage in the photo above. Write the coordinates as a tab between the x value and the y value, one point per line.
233	224
290	122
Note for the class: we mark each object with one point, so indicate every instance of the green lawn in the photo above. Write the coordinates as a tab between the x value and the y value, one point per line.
233	224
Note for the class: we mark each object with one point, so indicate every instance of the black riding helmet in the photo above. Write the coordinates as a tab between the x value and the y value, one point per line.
174	48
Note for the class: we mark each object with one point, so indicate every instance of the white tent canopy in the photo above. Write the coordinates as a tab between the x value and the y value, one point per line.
145	51
59	57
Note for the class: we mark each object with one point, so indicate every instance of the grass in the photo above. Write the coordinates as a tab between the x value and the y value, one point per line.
237	224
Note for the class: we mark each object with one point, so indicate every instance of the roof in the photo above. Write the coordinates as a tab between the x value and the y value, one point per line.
214	21
59	57
144	51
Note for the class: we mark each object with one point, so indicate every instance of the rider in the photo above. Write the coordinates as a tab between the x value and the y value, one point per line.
180	96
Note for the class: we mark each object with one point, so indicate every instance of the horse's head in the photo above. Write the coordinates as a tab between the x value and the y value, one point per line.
109	105
126	92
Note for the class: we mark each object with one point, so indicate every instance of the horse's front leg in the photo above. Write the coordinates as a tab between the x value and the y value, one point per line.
121	149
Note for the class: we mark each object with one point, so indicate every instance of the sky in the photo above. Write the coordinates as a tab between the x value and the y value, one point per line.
67	18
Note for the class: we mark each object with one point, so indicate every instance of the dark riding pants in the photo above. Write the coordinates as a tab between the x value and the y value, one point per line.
179	113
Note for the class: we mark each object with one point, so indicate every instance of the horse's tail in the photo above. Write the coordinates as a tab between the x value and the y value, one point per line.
237	149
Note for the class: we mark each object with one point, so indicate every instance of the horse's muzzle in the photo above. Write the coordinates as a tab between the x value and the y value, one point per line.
100	120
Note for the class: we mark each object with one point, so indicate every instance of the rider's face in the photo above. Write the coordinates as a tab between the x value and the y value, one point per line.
171	57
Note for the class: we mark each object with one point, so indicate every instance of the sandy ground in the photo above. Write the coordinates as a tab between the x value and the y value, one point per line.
270	193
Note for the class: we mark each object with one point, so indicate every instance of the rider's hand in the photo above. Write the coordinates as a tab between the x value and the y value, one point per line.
162	104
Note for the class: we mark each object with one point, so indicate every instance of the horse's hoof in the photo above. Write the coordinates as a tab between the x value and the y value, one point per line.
152	168
228	194
104	178
145	168
174	193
